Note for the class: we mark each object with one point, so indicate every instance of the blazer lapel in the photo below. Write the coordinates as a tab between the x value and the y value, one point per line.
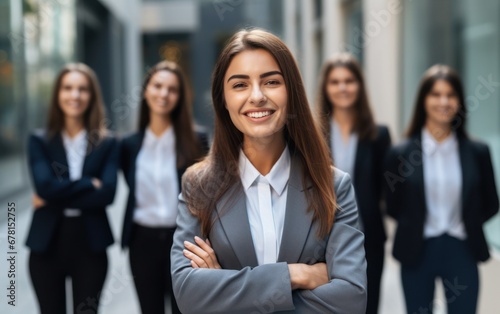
60	162
297	219
135	147
466	159
233	217
362	155
418	173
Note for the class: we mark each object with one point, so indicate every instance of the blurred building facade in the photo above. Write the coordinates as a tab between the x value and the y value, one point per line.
37	37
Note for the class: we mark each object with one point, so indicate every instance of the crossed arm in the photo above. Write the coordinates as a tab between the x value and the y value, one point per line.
88	193
302	276
291	287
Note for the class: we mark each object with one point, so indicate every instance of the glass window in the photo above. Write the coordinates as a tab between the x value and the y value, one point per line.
33	47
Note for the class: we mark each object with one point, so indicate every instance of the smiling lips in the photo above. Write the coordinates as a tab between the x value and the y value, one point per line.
259	114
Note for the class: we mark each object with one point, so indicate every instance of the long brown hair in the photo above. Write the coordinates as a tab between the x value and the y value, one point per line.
364	124
206	182
430	77
94	117
187	145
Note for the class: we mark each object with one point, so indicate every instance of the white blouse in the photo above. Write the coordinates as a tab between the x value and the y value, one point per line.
266	204
156	181
76	150
344	153
443	186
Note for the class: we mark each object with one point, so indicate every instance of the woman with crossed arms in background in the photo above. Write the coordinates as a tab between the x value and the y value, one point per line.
73	164
153	161
280	223
358	147
440	189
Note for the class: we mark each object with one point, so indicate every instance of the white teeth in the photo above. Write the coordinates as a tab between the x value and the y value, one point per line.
259	114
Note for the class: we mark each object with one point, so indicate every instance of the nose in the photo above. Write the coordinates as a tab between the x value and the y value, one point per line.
444	100
75	93
342	86
257	96
164	92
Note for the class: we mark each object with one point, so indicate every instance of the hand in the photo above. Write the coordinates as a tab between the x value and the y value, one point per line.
201	255
308	277
97	183
38	201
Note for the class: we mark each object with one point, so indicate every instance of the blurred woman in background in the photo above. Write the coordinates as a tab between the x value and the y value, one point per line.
73	164
441	190
153	161
358	147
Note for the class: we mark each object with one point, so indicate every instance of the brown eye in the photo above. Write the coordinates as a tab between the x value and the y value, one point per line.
273	82
238	85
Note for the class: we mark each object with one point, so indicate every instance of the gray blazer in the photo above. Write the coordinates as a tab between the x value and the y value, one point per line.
241	286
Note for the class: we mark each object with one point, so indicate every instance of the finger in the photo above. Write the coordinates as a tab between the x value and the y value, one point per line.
193	257
201	253
206	247
194	265
214	256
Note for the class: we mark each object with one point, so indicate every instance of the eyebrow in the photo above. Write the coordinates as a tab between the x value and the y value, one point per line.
263	75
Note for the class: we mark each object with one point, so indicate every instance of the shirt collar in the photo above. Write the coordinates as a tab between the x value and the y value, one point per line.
80	138
277	177
430	146
167	137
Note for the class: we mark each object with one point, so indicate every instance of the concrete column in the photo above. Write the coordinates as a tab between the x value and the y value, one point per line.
290	25
382	60
309	57
333	27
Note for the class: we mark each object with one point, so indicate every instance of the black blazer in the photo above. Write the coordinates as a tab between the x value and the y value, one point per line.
406	198
49	171
368	182
130	147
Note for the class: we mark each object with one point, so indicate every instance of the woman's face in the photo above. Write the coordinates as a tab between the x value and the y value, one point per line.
255	94
441	103
74	95
342	88
162	92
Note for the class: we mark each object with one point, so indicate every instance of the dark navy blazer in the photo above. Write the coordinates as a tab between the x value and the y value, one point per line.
129	149
368	183
406	196
49	171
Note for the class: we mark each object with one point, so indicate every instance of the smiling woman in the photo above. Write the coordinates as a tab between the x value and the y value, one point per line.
358	147
73	165
153	161
441	205
265	222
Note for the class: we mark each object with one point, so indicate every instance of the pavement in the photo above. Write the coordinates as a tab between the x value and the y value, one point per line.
118	295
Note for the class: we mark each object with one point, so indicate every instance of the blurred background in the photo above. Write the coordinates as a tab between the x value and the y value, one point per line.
395	40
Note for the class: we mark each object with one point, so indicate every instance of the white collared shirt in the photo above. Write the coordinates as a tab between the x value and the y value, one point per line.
156	182
344	153
443	186
266	231
76	150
